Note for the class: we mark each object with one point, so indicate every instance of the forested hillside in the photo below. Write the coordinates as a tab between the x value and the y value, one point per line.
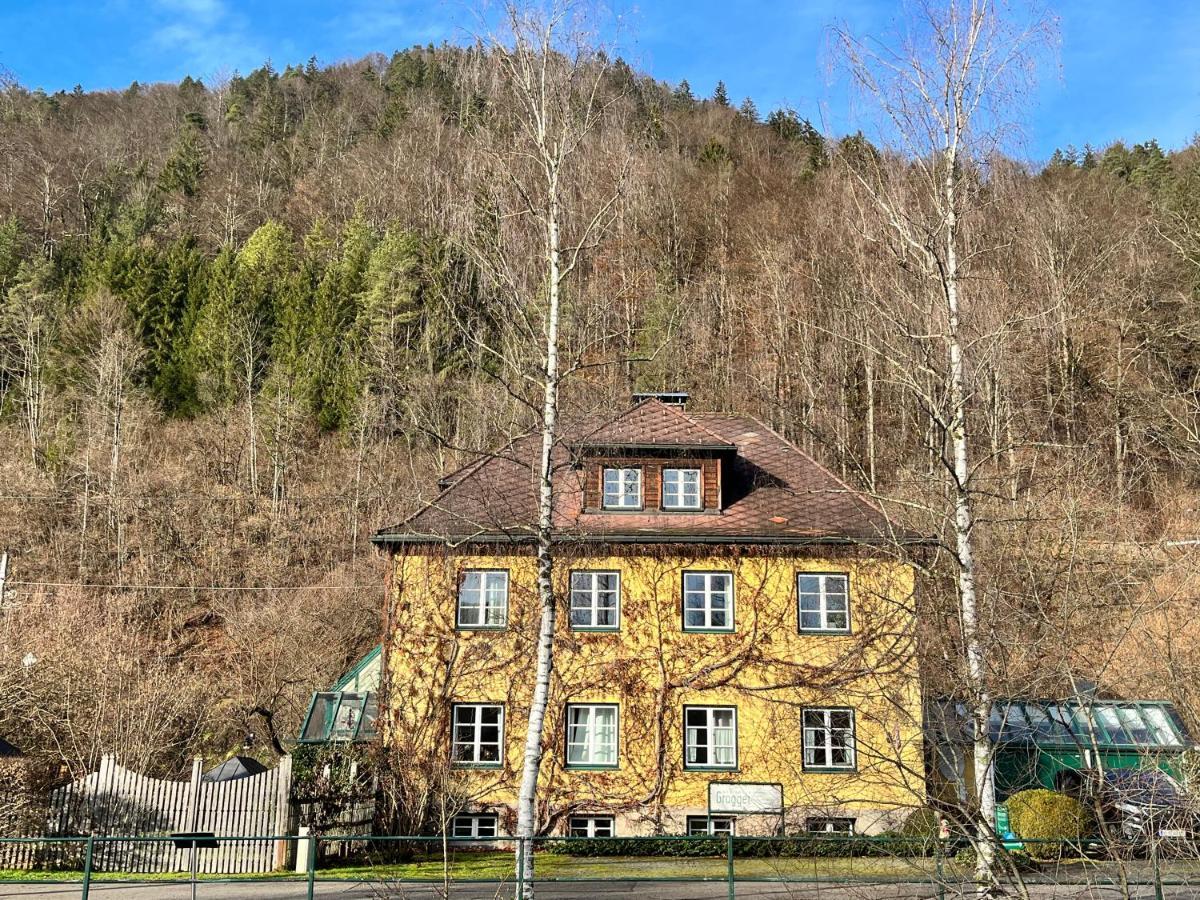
244	324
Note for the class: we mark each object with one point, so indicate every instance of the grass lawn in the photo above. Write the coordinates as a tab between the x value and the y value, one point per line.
498	866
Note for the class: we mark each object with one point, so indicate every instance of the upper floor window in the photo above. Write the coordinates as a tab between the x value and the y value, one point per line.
623	488
824	602
591	735
595	600
483	599
828	737
707	601
477	734
710	737
681	489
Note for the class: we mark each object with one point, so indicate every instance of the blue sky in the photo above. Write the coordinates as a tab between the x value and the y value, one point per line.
1126	70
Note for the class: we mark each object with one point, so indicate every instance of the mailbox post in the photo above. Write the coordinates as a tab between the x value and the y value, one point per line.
193	841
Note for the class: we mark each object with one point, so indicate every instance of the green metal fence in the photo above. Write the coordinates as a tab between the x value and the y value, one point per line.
725	866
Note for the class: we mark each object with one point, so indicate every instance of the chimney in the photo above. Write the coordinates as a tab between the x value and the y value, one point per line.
671	398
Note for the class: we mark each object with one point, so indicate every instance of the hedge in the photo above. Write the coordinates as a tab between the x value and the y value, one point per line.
746	847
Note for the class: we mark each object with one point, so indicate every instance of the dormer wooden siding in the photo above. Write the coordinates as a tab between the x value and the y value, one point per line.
652	467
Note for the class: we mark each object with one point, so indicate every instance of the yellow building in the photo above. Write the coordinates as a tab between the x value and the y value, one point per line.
735	645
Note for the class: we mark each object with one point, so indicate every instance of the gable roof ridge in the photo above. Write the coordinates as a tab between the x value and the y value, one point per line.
854	492
668	408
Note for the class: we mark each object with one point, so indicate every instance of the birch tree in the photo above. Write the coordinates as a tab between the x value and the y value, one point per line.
946	91
545	217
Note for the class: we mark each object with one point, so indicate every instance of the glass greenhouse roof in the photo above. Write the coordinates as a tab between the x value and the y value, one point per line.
347	712
1110	723
341	716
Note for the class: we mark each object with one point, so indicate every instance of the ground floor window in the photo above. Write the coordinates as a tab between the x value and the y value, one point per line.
828	737
591	826
830	825
591	734
717	825
477	734
710	737
475	825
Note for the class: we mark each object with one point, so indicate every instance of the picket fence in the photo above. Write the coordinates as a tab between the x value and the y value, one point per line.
117	800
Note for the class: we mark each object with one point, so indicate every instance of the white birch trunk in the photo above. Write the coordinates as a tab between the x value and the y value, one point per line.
531	764
981	703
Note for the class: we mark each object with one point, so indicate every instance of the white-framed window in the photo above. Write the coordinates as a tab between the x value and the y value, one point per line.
707	601
681	489
828	738
591	735
716	825
824	601
483	599
477	734
710	737
474	825
623	488
830	825
596	600
591	826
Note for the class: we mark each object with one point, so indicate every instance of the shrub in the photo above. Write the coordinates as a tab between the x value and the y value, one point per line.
921	823
744	847
1039	815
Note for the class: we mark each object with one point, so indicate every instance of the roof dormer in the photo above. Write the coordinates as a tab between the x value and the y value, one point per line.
655	458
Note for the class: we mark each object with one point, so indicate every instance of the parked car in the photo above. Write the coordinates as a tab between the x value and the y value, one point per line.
1147	804
1141	806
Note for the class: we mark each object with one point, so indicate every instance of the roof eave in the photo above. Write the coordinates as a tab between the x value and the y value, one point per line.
384	538
622	445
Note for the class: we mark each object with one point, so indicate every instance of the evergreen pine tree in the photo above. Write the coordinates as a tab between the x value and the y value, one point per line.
389	310
212	346
334	311
184	168
785	123
721	95
229	345
748	110
265	262
181	296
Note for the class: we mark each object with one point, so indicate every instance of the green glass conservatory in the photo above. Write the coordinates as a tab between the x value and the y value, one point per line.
1048	743
349	710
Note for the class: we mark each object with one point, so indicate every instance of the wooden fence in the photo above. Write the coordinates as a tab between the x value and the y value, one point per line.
118	801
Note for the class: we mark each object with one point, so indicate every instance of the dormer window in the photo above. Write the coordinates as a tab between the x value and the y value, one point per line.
681	489
623	488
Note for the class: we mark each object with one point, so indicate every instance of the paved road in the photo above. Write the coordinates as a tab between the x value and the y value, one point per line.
274	890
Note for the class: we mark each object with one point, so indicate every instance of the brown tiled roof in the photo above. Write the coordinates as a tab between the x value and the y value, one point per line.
652	423
772	491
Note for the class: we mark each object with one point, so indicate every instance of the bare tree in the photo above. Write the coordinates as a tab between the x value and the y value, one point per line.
547	67
946	91
30	325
